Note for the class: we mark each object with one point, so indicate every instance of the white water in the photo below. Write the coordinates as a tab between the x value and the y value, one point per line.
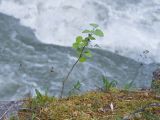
130	26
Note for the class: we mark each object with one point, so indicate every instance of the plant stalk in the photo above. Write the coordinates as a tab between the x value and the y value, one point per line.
66	78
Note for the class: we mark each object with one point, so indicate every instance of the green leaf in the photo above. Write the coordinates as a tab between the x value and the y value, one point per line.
88	53
77	85
85	42
82	44
91	38
113	84
79	39
75	45
82	59
87	39
86	31
108	85
105	81
98	32
94	25
38	94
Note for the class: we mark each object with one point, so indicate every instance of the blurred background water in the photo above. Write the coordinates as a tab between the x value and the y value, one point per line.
35	40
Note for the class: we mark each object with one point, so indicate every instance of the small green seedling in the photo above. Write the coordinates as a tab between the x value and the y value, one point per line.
128	85
108	85
81	45
76	87
39	99
38	94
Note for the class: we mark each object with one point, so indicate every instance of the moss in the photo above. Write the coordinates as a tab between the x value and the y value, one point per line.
92	106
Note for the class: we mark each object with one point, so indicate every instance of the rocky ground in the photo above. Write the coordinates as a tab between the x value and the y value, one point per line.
9	108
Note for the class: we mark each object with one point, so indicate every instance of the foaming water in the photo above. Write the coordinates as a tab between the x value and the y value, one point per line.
27	64
130	26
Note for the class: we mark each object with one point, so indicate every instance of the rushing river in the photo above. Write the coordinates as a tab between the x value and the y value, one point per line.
35	40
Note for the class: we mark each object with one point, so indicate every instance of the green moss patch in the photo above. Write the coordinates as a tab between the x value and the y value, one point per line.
94	106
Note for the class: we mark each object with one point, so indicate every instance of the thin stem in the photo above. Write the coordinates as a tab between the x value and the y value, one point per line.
63	82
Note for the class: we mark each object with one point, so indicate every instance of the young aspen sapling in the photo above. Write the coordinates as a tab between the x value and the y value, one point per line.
81	46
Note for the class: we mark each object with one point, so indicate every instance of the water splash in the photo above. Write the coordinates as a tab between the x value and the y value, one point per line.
130	26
